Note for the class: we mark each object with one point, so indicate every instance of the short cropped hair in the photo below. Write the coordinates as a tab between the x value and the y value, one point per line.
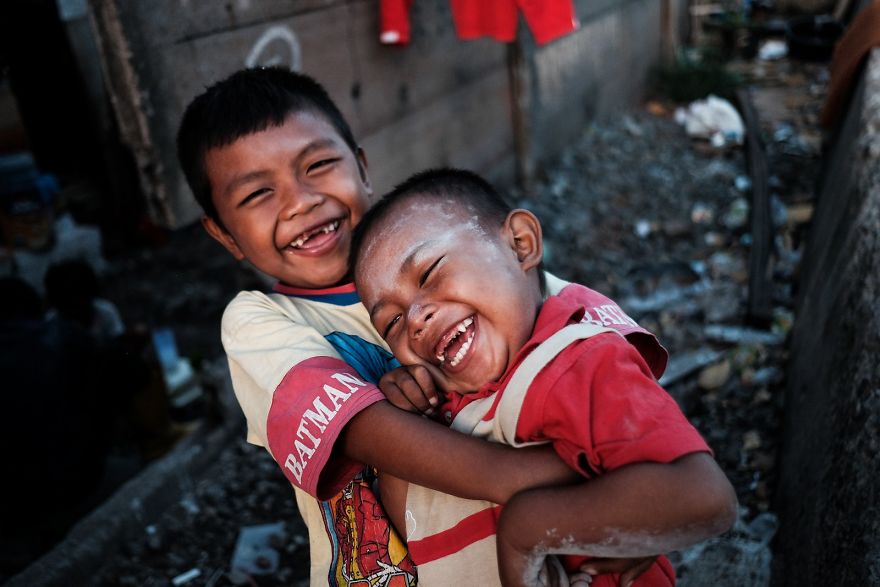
247	102
466	187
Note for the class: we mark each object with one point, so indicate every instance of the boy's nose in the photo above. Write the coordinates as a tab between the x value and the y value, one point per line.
300	202
418	318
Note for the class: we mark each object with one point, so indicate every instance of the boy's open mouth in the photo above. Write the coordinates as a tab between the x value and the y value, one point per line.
315	237
455	343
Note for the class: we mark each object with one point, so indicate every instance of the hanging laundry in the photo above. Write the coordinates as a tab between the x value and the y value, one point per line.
547	19
394	22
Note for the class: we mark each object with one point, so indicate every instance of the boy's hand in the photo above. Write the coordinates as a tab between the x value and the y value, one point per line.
410	388
630	569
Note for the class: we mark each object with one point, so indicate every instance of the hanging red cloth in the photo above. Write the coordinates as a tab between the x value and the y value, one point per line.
394	22
546	19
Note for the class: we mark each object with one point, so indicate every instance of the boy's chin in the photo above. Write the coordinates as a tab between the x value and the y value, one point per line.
463	385
323	278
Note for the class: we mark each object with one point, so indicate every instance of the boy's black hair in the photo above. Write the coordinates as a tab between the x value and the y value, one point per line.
247	102
464	186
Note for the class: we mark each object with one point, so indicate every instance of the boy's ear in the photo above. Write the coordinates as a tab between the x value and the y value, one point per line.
219	234
524	234
361	158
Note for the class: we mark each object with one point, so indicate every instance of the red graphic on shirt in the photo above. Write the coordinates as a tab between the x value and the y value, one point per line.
370	553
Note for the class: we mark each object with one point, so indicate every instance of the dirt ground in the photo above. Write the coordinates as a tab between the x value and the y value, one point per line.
637	210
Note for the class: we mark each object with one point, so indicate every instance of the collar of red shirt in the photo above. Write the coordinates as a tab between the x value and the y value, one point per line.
556	313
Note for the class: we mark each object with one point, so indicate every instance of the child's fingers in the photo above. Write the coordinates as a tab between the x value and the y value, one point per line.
580	580
627	578
413	391
426	383
629	568
396	396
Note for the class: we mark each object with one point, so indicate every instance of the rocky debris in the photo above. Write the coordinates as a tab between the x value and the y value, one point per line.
660	223
741	557
238	525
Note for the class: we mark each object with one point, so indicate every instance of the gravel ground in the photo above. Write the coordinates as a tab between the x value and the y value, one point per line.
636	209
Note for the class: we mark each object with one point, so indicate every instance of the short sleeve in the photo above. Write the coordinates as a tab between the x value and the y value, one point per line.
602	408
294	389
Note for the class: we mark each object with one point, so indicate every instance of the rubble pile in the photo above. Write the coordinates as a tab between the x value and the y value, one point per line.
195	541
636	212
660	222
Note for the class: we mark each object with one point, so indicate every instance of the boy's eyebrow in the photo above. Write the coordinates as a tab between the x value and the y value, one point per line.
407	264
316	145
411	257
243	179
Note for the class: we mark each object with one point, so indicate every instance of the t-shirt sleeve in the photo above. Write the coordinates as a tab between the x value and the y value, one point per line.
296	392
601	407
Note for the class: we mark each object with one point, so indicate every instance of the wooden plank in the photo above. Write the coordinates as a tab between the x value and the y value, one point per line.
374	85
162	22
433	96
577	81
452	131
394	82
181	71
760	300
522	117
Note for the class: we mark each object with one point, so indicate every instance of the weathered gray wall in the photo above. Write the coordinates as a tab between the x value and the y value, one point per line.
403	103
597	70
437	101
829	497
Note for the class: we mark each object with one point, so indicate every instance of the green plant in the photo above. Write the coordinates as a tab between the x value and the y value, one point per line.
695	74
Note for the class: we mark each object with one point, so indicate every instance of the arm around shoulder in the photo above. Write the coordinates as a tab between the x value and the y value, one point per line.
429	454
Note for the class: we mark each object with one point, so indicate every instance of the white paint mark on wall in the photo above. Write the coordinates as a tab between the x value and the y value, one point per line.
277	45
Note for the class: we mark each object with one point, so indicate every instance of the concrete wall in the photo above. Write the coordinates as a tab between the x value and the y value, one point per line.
437	101
829	498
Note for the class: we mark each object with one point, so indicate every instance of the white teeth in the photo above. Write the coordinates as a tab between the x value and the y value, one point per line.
462	327
327	228
461	352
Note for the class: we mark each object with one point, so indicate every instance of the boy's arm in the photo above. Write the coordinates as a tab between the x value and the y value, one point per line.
421	451
654	486
638	510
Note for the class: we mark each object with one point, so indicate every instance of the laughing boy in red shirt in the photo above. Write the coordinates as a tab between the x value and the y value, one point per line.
452	280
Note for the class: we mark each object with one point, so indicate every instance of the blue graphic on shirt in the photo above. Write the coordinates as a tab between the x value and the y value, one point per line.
370	360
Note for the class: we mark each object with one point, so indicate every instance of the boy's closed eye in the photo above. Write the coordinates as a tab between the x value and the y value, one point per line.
429	270
423	278
251	197
390	325
322	164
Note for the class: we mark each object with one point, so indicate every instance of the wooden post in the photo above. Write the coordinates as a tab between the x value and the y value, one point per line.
520	107
760	302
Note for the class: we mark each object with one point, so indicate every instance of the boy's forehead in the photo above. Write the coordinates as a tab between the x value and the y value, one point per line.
300	130
417	225
430	211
